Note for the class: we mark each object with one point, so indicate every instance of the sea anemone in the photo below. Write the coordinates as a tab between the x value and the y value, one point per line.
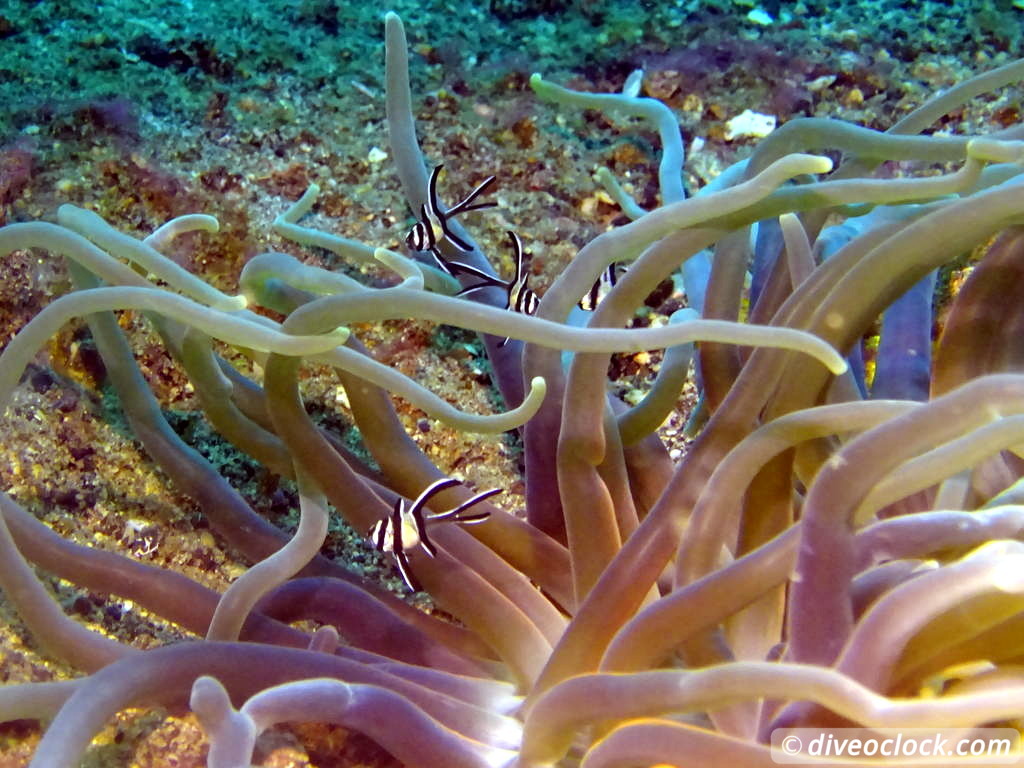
833	549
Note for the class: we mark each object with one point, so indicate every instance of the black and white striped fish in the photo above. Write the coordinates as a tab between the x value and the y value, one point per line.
519	297
432	228
405	528
609	277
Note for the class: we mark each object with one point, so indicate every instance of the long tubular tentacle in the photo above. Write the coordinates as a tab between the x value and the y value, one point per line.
164	676
265	575
405	730
553	721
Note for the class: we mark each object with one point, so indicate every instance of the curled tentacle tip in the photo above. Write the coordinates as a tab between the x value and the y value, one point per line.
209	699
325	640
410	272
995	151
804	163
822	164
203	222
796	164
836	364
538	388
